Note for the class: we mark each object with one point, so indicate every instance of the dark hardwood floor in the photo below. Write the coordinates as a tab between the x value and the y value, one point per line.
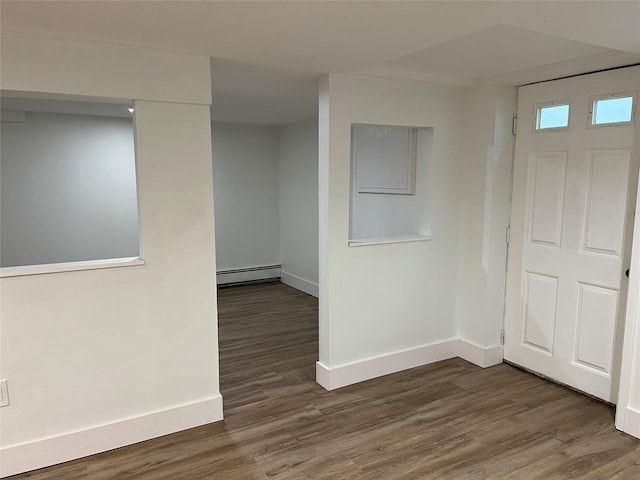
449	420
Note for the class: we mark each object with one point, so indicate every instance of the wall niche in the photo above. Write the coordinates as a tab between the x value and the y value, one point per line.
389	184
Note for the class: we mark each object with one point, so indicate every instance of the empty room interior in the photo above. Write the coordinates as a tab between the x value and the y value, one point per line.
323	240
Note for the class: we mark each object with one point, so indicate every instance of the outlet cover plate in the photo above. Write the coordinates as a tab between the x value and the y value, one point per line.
4	393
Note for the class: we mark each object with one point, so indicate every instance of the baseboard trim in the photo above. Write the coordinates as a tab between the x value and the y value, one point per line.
631	423
248	274
299	283
341	376
42	453
482	356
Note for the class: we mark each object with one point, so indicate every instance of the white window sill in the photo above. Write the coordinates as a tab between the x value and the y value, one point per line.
386	240
69	266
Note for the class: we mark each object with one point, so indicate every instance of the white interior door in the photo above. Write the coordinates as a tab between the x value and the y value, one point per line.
570	228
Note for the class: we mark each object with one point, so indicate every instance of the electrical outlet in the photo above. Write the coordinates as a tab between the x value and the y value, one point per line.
4	393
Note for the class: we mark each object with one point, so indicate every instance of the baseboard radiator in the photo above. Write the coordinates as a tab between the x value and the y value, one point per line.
243	276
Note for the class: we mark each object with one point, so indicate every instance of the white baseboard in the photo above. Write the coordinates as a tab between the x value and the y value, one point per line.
299	283
24	457
482	356
248	274
631	424
341	376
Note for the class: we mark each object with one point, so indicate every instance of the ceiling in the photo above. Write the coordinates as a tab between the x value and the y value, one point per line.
267	55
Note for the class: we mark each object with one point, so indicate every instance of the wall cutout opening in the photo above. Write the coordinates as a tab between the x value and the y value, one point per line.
389	184
612	109
68	191
554	116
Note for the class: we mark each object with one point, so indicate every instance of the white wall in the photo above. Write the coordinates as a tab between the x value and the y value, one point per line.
389	307
380	299
266	196
484	215
98	359
245	179
298	200
68	189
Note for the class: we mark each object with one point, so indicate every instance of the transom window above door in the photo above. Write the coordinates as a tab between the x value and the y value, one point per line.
552	116
612	109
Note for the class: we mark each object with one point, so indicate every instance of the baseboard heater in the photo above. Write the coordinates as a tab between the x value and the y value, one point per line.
242	276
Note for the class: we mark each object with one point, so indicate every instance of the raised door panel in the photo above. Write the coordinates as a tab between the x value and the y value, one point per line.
596	319
539	319
547	172
606	201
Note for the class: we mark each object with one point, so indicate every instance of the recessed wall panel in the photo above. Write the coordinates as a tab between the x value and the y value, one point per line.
606	200
384	159
597	310
539	318
548	171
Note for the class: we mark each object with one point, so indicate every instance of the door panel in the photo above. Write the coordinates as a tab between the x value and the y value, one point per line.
547	173
540	311
569	237
606	201
597	308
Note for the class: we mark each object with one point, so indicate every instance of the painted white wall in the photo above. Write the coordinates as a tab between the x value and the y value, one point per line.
266	187
68	189
484	213
245	179
375	300
127	351
298	200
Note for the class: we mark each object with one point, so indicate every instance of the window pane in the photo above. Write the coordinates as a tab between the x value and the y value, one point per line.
555	116
612	110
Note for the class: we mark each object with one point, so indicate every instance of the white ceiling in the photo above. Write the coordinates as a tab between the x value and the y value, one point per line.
494	51
267	55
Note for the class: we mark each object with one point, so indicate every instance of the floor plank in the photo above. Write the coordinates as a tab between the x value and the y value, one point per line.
449	420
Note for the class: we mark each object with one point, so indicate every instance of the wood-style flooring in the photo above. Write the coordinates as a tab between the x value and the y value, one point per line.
448	420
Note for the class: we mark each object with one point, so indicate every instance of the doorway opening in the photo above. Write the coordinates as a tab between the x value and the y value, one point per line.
265	177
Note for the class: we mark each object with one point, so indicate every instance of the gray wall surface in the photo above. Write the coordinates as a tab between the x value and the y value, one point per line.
68	190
